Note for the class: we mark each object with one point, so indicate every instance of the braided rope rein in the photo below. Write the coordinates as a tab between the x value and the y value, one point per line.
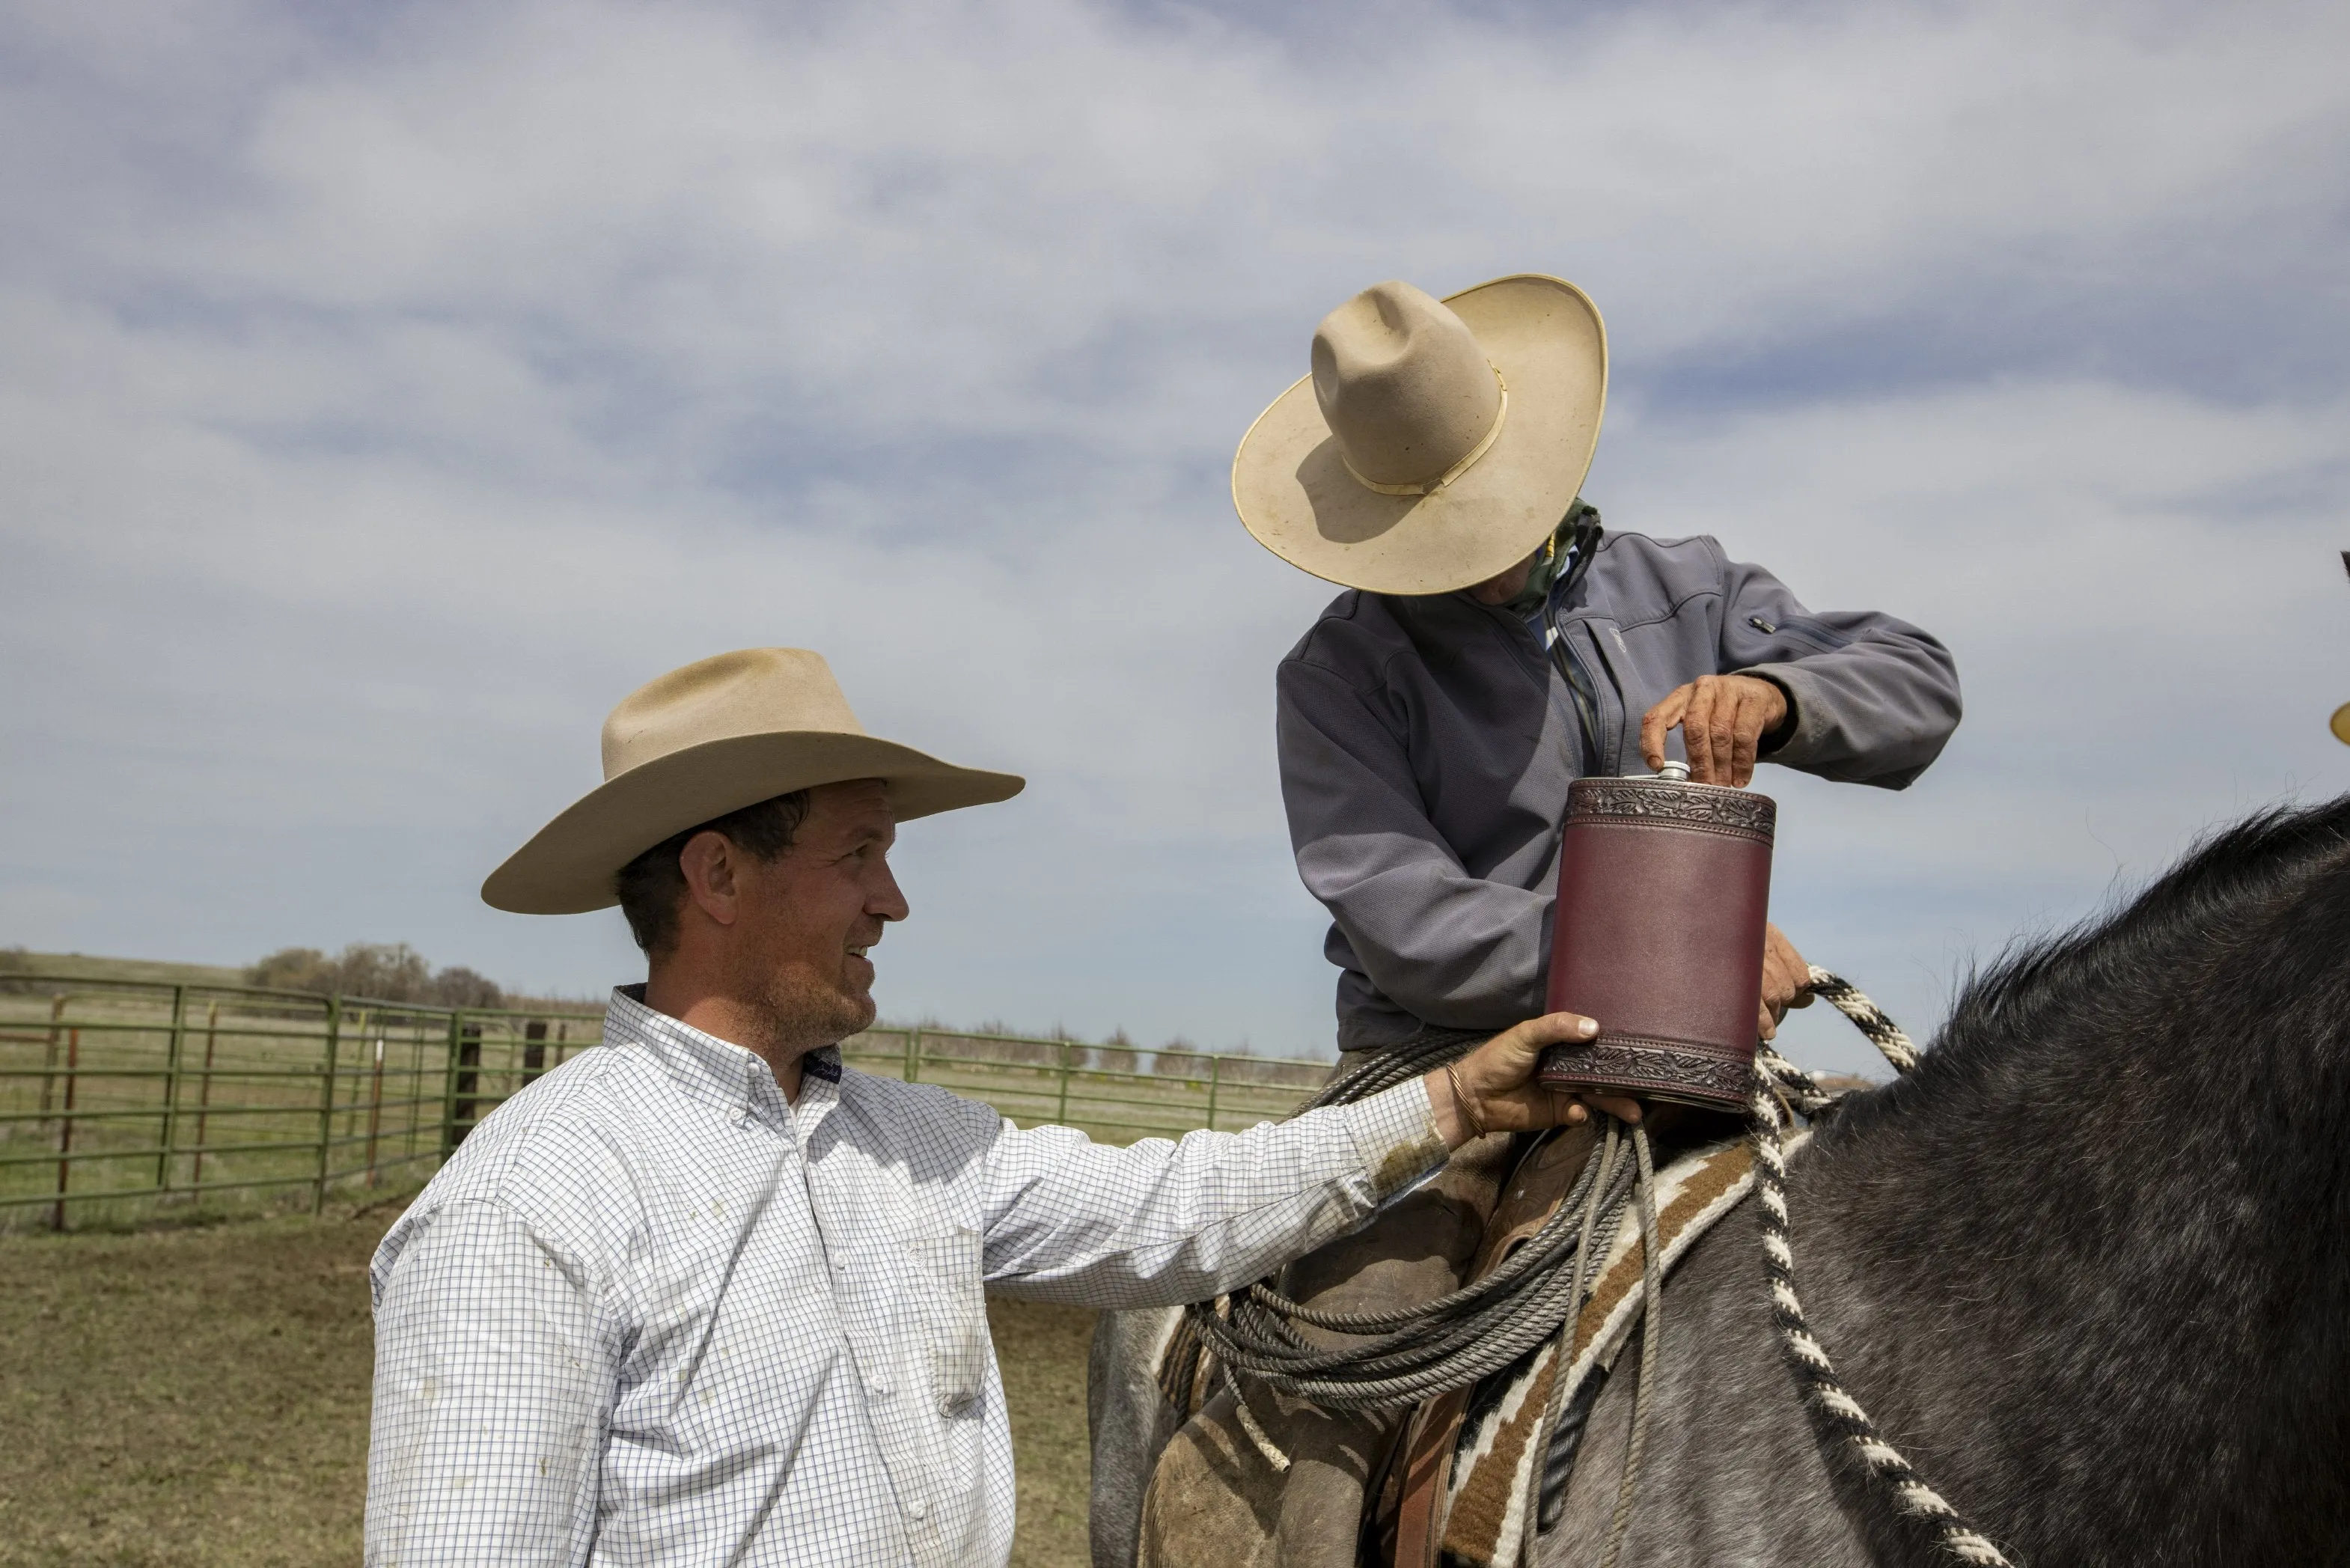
1780	1083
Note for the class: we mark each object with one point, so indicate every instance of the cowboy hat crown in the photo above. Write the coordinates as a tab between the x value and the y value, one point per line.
1405	390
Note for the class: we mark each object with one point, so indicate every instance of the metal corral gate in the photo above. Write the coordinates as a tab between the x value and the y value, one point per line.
121	1099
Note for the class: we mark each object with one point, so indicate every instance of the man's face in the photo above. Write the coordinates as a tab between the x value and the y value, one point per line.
808	916
1502	589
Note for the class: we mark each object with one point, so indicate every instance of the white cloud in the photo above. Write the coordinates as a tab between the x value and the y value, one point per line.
385	397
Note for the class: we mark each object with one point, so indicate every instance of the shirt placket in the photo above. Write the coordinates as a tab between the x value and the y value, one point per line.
859	1258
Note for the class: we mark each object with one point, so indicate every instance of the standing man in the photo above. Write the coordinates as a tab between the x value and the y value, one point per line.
1493	646
703	1294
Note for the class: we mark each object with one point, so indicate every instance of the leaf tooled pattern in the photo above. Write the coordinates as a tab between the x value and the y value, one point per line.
1656	1066
1702	807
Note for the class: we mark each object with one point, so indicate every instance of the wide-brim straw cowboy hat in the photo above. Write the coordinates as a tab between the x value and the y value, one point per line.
718	735
1435	444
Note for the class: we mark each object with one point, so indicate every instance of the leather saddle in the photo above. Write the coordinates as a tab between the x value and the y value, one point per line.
1405	1513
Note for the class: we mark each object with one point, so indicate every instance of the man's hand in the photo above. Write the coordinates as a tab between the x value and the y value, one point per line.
1722	721
1496	1081
1786	981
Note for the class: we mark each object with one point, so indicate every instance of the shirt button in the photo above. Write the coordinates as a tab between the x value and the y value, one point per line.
918	1509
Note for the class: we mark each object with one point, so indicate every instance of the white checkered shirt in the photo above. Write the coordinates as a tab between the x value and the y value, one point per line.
650	1313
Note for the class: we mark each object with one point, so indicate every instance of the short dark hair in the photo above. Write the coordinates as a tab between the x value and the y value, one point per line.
652	886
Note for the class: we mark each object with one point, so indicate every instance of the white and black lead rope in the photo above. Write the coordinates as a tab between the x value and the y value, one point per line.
1778	1085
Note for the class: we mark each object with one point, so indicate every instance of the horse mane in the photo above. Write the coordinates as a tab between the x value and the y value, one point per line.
2095	1249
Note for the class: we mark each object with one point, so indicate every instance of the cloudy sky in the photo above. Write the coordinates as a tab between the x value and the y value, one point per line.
387	388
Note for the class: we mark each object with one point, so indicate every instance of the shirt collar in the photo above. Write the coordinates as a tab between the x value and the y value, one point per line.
716	1072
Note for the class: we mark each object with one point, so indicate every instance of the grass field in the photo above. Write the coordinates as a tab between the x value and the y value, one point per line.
198	1396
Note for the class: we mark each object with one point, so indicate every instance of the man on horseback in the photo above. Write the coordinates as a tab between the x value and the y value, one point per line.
1493	645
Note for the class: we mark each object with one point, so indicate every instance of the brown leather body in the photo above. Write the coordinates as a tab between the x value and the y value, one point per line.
1663	888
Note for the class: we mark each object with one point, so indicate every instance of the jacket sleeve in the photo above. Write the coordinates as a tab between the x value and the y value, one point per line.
1451	948
1875	699
1157	1223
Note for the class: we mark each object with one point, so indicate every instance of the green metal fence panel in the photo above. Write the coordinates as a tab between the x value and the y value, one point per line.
112	1107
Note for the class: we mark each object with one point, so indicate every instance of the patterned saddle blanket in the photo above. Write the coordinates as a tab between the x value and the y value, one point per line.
1485	1469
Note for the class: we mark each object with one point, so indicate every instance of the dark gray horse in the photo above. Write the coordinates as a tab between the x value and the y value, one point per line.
2089	1267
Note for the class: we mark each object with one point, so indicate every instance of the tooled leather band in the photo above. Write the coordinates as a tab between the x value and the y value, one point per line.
1704	807
1642	1065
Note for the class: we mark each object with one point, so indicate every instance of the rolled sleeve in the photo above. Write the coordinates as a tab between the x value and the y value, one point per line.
1396	1136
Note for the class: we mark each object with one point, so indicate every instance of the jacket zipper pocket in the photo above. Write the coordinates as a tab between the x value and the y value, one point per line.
1803	628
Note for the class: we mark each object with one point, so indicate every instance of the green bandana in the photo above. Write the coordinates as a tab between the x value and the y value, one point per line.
1557	558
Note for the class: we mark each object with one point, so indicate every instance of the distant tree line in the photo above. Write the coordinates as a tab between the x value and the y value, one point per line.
384	972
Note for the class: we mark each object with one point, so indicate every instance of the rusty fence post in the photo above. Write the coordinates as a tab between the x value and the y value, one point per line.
449	1089
327	1102
204	1096
1215	1074
49	1058
464	1081
415	1095
66	1128
167	1133
375	1105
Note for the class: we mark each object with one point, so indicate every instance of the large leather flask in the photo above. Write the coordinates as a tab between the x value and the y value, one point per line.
1663	887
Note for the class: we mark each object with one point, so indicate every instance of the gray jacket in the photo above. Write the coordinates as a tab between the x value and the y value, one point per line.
1427	744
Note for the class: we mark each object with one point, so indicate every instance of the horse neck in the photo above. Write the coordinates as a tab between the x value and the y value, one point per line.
2089	1259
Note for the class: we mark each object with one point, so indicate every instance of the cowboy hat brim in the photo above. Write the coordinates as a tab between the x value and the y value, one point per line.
569	865
1293	492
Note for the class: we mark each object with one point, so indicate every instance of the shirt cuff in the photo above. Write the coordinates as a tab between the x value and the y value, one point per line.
1396	1137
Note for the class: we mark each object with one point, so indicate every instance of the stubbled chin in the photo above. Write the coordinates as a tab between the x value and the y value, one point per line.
856	997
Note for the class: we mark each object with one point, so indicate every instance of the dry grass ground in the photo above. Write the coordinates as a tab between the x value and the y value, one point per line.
198	1396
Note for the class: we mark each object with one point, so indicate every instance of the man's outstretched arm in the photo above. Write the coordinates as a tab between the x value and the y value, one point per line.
1069	1220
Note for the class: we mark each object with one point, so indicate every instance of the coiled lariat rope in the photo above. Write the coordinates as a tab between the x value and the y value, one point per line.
1401	1357
1537	1294
1780	1085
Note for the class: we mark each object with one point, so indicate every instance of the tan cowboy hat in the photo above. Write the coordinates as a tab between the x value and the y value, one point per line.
1436	444
714	737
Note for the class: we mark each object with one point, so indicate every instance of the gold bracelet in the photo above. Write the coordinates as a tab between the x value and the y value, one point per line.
1461	1103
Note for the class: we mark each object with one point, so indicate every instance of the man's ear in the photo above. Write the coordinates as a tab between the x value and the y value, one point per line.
710	862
